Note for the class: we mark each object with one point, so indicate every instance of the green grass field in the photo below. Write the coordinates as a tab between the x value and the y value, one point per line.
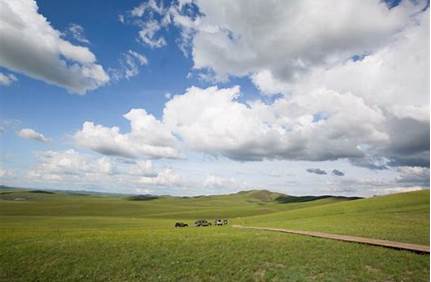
71	237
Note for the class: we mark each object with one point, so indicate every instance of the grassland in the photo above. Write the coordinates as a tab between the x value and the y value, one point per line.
68	237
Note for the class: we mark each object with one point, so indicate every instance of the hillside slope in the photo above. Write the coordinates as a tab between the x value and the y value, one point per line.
400	217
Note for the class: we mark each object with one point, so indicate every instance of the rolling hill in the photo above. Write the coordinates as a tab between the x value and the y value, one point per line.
93	237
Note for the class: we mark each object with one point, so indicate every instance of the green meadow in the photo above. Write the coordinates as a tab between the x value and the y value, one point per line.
88	237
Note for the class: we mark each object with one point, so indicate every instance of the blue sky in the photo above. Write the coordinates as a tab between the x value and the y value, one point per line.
219	98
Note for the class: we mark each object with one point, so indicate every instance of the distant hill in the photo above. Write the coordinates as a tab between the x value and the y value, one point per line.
285	199
41	192
77	203
255	195
142	198
262	195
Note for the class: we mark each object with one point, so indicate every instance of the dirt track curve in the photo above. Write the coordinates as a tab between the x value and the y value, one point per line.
369	241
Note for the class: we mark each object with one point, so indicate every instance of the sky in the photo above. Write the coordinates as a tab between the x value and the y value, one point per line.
194	97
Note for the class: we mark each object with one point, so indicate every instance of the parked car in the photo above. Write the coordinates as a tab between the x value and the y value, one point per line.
181	224
218	222
202	222
225	221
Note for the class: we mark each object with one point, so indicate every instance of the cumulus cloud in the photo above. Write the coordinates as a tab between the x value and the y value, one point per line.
355	90
75	168
7	79
212	120
385	76
29	133
315	127
267	84
31	46
68	164
243	31
345	85
148	138
71	169
317	171
394	79
352	66
337	172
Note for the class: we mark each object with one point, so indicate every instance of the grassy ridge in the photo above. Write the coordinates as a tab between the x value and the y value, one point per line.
401	217
61	237
235	205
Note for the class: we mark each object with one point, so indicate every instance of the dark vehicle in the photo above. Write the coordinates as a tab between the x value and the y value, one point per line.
225	221
202	222
181	224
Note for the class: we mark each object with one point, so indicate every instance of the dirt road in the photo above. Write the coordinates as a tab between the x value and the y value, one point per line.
347	238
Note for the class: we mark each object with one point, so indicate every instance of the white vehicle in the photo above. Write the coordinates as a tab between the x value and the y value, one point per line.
218	222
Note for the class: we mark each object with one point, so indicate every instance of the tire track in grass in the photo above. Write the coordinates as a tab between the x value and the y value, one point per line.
347	238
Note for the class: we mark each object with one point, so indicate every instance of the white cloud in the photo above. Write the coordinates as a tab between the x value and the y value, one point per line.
267	84
29	133
60	165
121	18
148	138
143	168
150	6
299	34
318	125
148	35
7	79
217	182
77	32
73	170
166	177
152	19
395	77
212	120
4	173
130	64
284	49
30	45
82	170
333	106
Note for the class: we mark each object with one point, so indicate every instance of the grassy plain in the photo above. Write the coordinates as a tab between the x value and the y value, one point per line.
70	237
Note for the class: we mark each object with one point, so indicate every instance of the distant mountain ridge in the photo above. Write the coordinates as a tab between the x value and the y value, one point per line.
254	195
